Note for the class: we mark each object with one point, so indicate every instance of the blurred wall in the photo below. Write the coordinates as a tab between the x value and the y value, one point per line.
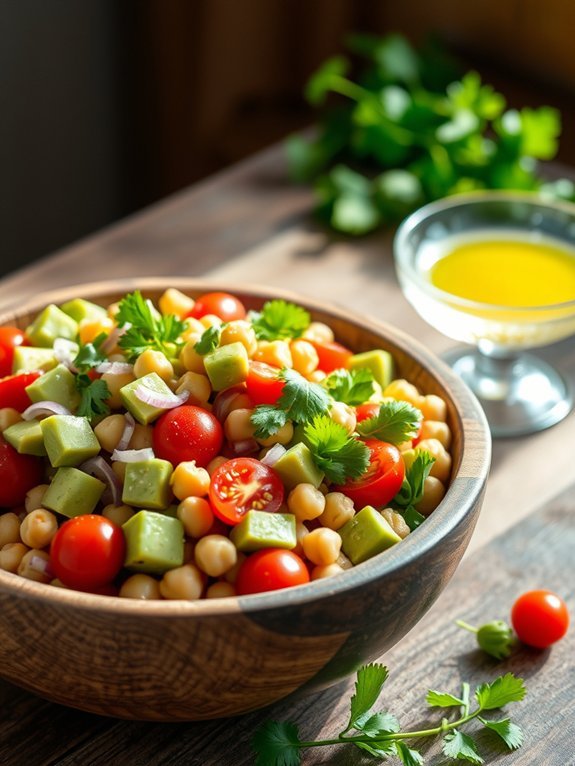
108	105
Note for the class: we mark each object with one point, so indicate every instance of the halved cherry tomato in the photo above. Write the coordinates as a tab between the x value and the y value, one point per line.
332	355
87	552
187	433
540	618
18	474
270	569
10	338
263	384
223	305
366	411
244	484
382	480
13	390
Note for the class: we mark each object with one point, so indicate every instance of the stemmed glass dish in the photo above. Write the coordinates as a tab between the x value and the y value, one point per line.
519	392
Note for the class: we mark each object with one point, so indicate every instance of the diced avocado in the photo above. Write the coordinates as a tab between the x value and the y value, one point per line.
259	529
51	323
73	492
79	309
366	535
227	365
296	466
57	385
144	413
147	484
154	542
30	358
380	363
26	437
69	440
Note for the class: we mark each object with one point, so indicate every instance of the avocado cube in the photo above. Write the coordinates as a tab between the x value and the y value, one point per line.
259	529
69	440
51	323
227	365
154	542
73	492
57	385
144	413
30	358
79	309
26	437
366	535
380	363
147	484
296	466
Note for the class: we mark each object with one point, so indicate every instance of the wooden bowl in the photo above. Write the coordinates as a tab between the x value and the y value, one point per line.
178	660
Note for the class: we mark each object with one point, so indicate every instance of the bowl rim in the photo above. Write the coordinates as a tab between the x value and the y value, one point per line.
445	518
465	200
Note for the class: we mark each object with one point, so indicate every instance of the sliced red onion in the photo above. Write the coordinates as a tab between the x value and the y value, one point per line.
40	409
42	565
224	400
112	340
133	455
97	466
274	454
162	401
115	368
244	447
65	351
127	433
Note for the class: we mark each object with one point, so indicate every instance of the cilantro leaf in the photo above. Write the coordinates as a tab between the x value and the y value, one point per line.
509	732
377	724
276	744
411	490
505	689
461	746
350	386
279	319
90	355
396	422
209	340
368	685
93	395
407	755
442	699
339	455
267	419
412	518
146	327
379	749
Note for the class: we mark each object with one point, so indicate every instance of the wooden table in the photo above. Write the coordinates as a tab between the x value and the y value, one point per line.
248	224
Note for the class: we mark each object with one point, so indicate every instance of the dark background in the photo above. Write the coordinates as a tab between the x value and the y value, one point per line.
109	105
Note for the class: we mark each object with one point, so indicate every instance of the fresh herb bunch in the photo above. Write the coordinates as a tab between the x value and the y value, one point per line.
409	129
146	328
380	735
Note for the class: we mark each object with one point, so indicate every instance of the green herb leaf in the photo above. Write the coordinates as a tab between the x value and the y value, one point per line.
267	419
461	746
93	394
147	328
350	386
411	490
368	685
377	724
322	81
396	422
90	355
379	750
412	518
407	755
279	319
509	732
442	699
502	691
276	744
339	455
209	340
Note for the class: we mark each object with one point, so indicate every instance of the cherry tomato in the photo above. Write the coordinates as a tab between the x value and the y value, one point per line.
223	305
244	484
18	474
87	552
263	384
540	618
187	433
332	355
366	411
10	338
270	569
383	478
13	390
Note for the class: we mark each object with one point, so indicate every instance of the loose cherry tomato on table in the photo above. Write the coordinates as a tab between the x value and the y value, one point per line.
187	433
244	484
87	552
264	386
382	480
540	618
332	355
18	474
270	569
223	305
13	390
10	338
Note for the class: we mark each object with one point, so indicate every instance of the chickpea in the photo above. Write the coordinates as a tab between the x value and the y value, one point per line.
189	480
34	565
433	494
109	431
196	515
119	514
197	385
190	358
153	361
34	497
306	502
304	357
338	510
283	435
142	437
240	331
436	429
38	528
441	469
8	417
300	532
396	522
119	469
140	586
343	561
344	415
319	332
193	329
326	570
220	590
115	383
238	426
275	352
11	555
215	555
185	582
317	376
173	301
9	528
404	391
322	546
210	320
433	407
231	575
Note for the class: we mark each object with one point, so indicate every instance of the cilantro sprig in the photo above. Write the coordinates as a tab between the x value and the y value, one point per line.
280	319
379	733
396	422
339	455
93	393
350	386
146	328
209	340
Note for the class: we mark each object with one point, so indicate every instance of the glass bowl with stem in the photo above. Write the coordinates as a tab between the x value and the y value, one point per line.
496	271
